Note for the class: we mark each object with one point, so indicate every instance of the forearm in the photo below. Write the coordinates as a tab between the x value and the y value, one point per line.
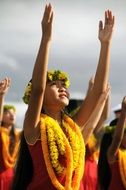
102	72
118	135
1	106
92	122
40	68
104	117
117	138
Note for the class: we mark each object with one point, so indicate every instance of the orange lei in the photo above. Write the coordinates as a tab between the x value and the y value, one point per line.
122	165
74	162
9	160
92	145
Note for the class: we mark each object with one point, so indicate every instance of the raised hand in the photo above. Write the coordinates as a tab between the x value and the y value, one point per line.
105	32
47	22
4	85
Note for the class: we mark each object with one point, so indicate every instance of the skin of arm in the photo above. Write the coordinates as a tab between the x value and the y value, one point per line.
118	134
104	117
4	86
90	85
39	77
102	72
88	128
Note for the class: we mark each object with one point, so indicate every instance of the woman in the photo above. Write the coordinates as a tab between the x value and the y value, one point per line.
112	158
90	178
53	147
9	139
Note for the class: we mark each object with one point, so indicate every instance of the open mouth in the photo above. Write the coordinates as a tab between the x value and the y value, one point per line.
63	96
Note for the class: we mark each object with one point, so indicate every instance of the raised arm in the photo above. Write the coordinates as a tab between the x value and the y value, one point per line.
90	85
104	117
4	86
118	134
39	76
102	72
92	122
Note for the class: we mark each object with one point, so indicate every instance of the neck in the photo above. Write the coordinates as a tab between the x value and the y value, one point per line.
55	114
8	127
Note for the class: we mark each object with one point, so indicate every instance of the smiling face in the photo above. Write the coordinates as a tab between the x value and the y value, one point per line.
56	95
8	117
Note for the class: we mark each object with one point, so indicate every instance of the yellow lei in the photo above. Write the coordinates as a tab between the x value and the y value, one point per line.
68	142
122	165
9	159
92	145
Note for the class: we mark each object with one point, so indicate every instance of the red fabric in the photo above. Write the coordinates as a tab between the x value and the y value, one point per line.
40	178
116	181
90	175
6	175
6	179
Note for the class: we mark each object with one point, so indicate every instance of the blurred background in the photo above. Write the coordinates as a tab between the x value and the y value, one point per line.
75	45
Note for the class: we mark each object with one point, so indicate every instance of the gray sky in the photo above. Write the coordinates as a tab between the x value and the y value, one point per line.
75	46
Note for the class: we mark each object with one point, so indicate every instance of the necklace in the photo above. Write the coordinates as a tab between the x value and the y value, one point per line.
63	141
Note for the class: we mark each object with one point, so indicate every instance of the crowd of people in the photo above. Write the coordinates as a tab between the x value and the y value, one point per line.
56	150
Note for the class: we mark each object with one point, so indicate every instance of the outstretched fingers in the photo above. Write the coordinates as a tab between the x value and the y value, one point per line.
48	14
109	18
100	25
47	22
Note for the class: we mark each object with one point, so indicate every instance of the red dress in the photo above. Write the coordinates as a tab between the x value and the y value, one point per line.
41	179
116	181
6	175
90	175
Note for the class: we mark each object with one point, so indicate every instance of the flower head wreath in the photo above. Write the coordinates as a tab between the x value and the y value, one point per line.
51	76
9	107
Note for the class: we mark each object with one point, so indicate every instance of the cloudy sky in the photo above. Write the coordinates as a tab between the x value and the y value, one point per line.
75	45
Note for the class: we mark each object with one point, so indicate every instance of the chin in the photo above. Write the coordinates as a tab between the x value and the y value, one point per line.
63	104
12	123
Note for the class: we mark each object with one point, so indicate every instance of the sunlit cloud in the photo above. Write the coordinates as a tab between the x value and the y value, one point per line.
8	62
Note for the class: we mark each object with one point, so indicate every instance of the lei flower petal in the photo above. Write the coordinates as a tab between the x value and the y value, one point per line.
9	159
67	142
122	165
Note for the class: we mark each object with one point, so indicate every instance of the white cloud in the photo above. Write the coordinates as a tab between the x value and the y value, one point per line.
75	45
9	62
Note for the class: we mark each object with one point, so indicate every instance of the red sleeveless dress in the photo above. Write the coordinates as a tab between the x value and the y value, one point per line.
90	178
116	181
6	175
41	179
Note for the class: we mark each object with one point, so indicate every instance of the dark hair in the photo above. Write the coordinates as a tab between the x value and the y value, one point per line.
114	122
24	167
13	139
104	172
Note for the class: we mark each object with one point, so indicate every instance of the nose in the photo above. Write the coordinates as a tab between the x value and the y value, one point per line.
62	89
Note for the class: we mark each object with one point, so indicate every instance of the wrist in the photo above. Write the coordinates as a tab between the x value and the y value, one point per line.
105	43
2	94
45	40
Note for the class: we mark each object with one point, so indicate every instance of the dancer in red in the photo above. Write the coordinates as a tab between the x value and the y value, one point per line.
9	139
52	148
112	158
